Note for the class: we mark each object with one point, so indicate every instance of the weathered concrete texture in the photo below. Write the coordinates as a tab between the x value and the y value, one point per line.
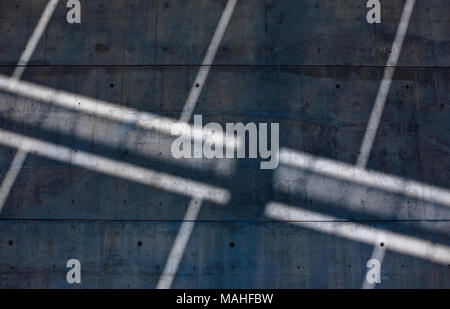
221	255
261	32
314	66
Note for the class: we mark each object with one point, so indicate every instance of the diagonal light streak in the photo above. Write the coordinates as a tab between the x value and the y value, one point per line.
203	72
115	168
380	102
186	228
20	157
180	244
359	232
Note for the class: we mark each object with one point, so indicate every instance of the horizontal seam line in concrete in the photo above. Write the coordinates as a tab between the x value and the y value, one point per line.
221	221
228	65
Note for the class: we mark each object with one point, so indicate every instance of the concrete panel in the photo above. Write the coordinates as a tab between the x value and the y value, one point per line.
219	255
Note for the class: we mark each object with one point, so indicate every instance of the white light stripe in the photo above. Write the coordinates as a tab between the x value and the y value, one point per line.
358	232
362	176
176	254
385	85
34	39
202	74
109	111
180	244
11	176
115	168
20	156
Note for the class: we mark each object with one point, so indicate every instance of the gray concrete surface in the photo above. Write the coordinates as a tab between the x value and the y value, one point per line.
314	66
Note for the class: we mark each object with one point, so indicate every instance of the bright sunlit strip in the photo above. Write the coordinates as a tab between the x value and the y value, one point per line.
140	142
110	111
385	85
203	72
380	101
180	244
361	176
11	176
187	226
378	254
34	39
115	168
21	156
358	232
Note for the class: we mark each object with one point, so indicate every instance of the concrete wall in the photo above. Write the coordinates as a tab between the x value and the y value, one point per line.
314	66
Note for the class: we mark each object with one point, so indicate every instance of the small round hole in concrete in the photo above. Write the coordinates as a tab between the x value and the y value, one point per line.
10	242
139	243
232	244
382	244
